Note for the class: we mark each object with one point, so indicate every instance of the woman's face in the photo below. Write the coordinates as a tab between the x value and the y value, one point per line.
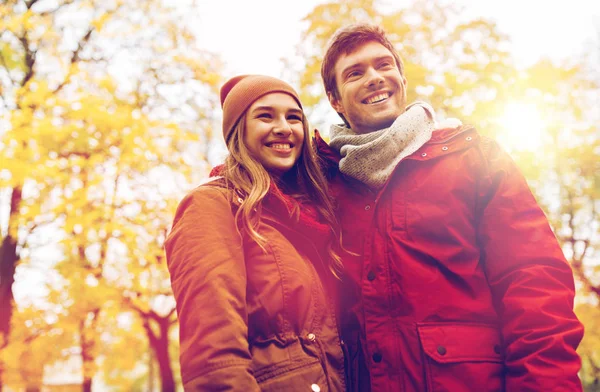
274	132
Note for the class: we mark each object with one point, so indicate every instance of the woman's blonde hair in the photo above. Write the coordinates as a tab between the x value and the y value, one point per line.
305	181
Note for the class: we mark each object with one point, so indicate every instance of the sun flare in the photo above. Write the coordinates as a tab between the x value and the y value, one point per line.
522	126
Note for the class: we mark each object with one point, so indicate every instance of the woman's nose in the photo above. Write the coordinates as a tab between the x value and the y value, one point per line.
282	128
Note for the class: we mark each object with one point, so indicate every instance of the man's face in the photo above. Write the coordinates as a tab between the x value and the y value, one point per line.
372	93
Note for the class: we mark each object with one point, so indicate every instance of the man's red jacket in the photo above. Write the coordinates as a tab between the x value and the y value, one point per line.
458	283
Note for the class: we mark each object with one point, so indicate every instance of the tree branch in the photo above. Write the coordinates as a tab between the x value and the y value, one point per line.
53	11
30	56
75	57
30	3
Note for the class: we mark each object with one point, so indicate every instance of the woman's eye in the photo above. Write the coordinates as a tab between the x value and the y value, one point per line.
294	117
264	115
385	64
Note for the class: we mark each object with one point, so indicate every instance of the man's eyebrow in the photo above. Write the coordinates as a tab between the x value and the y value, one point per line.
385	57
351	67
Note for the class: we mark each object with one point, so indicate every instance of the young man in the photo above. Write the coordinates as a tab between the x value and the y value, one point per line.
458	283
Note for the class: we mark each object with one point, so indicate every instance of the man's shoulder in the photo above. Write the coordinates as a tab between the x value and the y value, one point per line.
446	133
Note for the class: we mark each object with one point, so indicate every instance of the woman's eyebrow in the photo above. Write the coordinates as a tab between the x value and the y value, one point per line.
262	108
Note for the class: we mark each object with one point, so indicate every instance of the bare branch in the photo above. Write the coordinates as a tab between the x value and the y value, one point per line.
580	273
30	3
53	11
151	336
30	56
75	57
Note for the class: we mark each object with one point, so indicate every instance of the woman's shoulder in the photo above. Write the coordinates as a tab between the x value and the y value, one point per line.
213	188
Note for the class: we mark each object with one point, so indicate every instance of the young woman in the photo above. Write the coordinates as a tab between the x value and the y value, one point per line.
252	255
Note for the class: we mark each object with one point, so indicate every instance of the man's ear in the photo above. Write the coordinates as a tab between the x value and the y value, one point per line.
335	103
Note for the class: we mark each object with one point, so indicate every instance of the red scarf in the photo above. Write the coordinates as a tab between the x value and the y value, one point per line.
309	223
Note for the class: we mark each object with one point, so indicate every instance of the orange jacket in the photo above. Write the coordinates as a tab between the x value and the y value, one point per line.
461	284
250	321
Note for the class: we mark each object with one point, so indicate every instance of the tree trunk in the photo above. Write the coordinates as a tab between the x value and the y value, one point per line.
87	385
87	350
151	371
162	354
8	263
160	347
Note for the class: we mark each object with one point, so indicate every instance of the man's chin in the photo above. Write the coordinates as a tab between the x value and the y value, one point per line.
375	124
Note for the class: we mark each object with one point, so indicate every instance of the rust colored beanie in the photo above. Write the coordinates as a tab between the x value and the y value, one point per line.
239	92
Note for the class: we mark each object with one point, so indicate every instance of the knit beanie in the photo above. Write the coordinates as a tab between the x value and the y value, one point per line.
239	92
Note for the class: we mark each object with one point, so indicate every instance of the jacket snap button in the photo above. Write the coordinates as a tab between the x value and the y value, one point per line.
240	200
424	154
469	138
497	349
441	350
377	357
367	207
444	148
315	388
371	276
311	337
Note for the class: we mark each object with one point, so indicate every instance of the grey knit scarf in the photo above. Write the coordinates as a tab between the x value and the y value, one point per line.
371	158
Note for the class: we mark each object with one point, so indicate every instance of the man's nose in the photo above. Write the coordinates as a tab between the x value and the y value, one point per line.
374	77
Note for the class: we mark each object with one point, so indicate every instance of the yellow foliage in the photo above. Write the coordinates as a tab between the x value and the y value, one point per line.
89	149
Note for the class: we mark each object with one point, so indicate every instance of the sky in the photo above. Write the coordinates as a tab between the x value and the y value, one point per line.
252	36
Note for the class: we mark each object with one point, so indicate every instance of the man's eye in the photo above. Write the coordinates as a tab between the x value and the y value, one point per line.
352	74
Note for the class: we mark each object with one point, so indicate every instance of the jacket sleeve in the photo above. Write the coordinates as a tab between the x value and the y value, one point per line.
208	276
531	282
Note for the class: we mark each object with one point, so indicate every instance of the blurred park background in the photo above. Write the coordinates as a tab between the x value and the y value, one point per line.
109	114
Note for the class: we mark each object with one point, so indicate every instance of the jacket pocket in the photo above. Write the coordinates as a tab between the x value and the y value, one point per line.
462	357
296	378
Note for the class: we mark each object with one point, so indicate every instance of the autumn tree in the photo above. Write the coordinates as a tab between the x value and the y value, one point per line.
97	96
460	65
589	350
565	174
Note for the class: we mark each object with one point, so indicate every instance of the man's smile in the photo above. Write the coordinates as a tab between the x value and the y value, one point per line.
380	97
